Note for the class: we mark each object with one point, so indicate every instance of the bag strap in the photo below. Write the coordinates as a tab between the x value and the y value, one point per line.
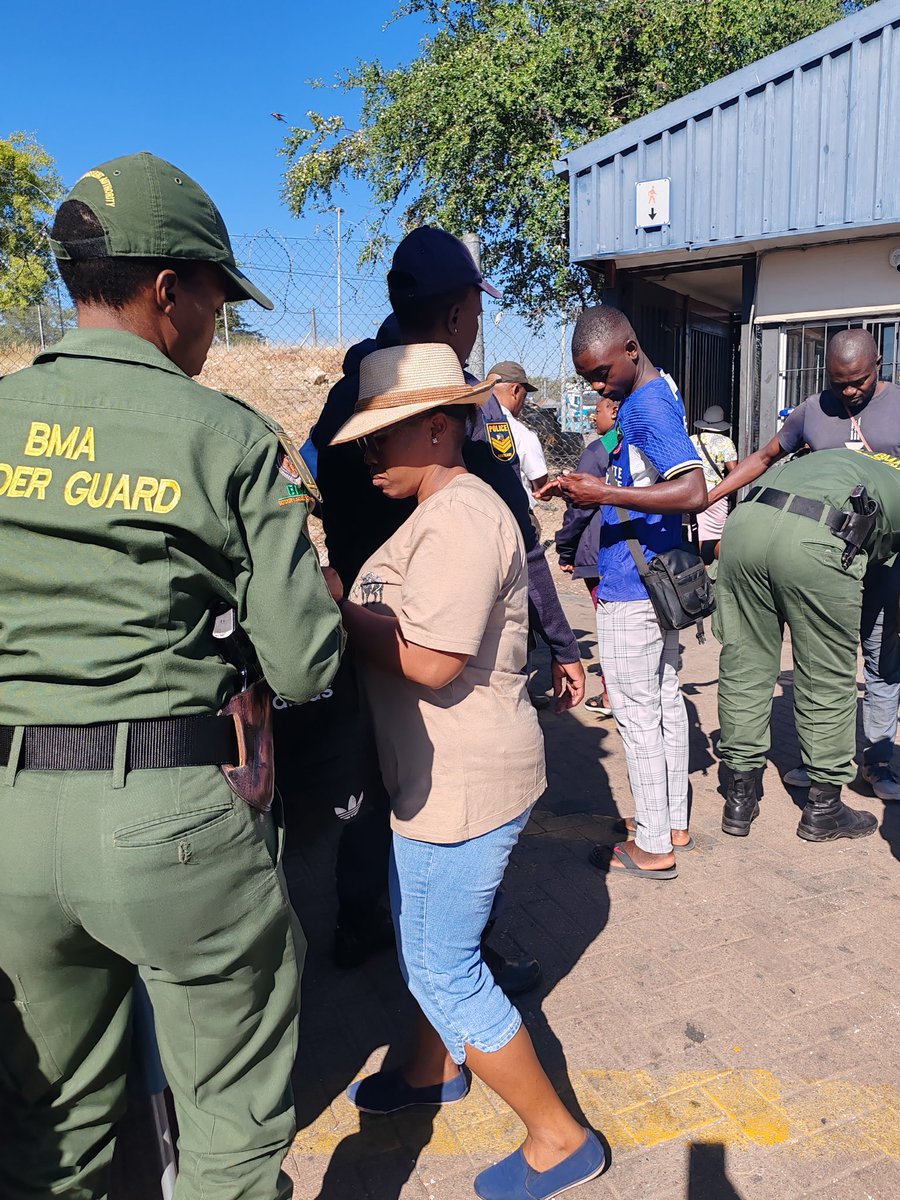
858	429
708	457
633	544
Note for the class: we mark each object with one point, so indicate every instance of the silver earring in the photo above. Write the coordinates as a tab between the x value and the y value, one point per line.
434	441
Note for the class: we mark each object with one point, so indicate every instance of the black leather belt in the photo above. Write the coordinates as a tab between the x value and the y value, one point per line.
158	742
834	518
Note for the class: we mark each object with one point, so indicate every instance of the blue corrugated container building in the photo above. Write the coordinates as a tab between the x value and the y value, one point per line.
744	224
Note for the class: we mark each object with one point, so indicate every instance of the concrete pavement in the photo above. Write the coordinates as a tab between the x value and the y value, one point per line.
733	1032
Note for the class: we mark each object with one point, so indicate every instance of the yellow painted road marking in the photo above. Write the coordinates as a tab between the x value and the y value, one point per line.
640	1109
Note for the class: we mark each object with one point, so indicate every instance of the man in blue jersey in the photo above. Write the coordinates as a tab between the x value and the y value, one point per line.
654	476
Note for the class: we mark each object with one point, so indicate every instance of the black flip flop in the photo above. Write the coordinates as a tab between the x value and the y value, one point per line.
601	857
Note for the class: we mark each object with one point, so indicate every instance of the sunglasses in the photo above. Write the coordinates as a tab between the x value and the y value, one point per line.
371	443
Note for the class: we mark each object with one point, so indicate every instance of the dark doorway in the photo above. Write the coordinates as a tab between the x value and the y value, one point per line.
696	341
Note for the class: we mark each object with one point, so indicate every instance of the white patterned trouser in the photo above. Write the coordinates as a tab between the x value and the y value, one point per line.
640	667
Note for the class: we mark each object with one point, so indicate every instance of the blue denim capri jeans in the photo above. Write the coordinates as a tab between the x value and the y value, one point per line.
441	898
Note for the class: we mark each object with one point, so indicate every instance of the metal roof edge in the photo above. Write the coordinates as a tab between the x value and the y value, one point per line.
759	244
824	41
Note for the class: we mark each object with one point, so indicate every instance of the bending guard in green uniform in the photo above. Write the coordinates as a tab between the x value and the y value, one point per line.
794	553
135	505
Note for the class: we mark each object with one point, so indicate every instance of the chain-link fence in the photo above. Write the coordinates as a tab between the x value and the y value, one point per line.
327	297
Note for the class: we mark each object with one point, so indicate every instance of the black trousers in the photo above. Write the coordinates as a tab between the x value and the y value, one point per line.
325	758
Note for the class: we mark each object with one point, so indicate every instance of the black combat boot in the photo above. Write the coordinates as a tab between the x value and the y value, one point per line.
741	803
826	817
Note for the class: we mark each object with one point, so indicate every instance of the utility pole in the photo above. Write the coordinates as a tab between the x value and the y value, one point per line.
476	359
340	315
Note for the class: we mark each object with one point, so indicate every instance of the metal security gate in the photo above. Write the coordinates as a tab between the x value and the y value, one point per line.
698	345
709	367
804	346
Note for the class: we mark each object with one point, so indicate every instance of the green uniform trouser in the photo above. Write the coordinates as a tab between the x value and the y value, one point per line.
778	568
174	874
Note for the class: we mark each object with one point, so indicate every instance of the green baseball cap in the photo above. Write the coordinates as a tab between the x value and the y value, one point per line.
150	209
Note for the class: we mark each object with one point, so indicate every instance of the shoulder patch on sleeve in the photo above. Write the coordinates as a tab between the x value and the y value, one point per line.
301	485
500	440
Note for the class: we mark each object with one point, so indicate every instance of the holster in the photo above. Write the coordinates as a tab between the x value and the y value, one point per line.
253	776
857	525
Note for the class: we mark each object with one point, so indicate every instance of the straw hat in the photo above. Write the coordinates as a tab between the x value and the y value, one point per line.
403	381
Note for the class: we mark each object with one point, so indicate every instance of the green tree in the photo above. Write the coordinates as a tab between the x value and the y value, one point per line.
466	134
239	327
29	191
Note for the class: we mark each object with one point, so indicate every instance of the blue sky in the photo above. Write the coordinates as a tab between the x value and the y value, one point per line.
194	83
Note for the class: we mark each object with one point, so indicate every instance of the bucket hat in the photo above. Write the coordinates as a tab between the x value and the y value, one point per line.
713	420
150	209
404	381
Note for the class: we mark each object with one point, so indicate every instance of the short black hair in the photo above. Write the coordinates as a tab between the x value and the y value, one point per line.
463	416
420	315
598	326
111	281
850	344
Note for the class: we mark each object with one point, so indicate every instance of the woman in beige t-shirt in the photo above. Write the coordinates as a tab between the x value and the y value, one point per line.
438	617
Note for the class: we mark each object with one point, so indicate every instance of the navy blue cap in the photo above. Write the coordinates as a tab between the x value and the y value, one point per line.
429	261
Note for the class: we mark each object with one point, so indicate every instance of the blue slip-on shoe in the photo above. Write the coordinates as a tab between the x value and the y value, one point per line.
388	1092
513	1179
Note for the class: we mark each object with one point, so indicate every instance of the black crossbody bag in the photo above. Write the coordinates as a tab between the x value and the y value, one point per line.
677	582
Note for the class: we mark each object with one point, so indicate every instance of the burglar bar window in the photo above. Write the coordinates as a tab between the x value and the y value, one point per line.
805	346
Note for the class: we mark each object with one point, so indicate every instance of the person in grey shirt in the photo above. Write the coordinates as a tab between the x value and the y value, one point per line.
858	411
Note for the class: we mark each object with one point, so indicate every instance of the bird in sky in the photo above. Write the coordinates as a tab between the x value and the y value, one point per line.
280	117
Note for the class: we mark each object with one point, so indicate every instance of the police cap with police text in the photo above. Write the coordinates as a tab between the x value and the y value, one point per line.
150	209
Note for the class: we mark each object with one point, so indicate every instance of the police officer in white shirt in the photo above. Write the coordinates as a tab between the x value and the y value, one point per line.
511	391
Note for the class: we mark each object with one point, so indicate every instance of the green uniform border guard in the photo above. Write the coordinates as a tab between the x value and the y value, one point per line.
794	553
134	504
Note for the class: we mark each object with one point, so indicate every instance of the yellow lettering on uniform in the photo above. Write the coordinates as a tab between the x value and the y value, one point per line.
47	441
36	442
86	445
121	493
144	491
163	504
20	479
7	472
94	500
59	447
40	478
72	493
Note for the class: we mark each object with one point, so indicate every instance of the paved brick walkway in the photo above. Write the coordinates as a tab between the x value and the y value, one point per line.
733	1032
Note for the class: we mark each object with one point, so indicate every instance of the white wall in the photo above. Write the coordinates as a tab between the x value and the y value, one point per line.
847	279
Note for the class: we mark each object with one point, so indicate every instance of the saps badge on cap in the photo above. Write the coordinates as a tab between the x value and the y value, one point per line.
430	261
150	209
